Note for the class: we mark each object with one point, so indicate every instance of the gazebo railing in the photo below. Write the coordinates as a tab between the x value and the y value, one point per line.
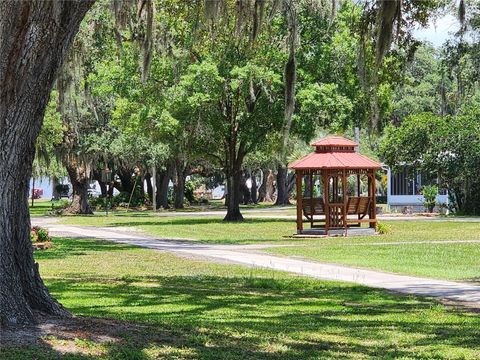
336	215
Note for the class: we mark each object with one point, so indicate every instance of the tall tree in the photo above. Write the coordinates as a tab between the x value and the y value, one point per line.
290	79
34	38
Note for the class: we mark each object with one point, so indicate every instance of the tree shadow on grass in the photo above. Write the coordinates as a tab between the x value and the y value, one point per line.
66	247
265	318
248	231
200	221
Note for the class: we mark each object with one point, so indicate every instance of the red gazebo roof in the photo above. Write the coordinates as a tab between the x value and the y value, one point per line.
334	141
334	152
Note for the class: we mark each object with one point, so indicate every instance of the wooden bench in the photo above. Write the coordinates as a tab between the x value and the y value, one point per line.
318	207
359	206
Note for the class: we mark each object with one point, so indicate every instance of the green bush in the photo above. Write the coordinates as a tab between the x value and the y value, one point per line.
189	189
43	235
122	199
60	204
430	193
38	234
383	228
98	202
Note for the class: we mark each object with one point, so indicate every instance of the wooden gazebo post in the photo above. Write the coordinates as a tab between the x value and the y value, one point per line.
299	175
344	199
312	201
326	200
373	211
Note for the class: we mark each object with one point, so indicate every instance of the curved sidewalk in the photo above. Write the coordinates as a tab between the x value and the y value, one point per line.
243	254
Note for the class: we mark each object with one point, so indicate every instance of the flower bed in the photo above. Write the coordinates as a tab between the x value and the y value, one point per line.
40	238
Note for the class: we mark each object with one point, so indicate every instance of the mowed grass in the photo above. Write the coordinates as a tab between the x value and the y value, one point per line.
192	309
455	261
207	229
405	250
40	207
211	229
437	249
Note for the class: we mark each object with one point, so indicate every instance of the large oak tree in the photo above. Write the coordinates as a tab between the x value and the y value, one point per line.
34	38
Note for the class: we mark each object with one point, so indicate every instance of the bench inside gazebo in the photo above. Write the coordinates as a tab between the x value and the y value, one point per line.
335	189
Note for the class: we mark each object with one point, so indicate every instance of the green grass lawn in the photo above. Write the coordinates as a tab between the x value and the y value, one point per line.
212	229
447	261
202	228
459	261
402	251
40	207
197	310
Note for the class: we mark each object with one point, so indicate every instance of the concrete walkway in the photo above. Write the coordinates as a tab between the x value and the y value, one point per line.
249	255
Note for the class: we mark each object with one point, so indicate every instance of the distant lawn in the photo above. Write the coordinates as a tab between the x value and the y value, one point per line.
194	309
202	228
402	250
40	208
458	261
212	229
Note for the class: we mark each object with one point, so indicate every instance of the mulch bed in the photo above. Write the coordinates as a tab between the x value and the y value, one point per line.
42	245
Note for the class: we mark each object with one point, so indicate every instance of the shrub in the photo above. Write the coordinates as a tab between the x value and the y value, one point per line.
122	199
43	235
38	234
98	202
189	190
430	193
383	228
60	204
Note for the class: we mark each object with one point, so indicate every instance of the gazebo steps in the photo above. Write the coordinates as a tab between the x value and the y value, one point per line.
312	233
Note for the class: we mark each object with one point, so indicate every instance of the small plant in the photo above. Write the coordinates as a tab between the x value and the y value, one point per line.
383	228
33	235
43	235
430	193
60	204
38	234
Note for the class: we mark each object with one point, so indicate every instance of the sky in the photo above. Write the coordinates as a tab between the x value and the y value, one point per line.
439	30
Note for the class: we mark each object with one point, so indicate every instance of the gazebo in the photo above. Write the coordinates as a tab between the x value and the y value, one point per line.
335	189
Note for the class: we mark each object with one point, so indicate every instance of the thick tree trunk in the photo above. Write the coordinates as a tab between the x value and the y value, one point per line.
79	180
34	37
262	190
282	186
234	180
270	188
181	174
253	191
245	195
162	188
180	190
233	198
127	180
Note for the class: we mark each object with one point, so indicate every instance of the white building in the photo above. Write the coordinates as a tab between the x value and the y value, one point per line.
404	191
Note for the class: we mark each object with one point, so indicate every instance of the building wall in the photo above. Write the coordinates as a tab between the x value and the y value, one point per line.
407	194
45	184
